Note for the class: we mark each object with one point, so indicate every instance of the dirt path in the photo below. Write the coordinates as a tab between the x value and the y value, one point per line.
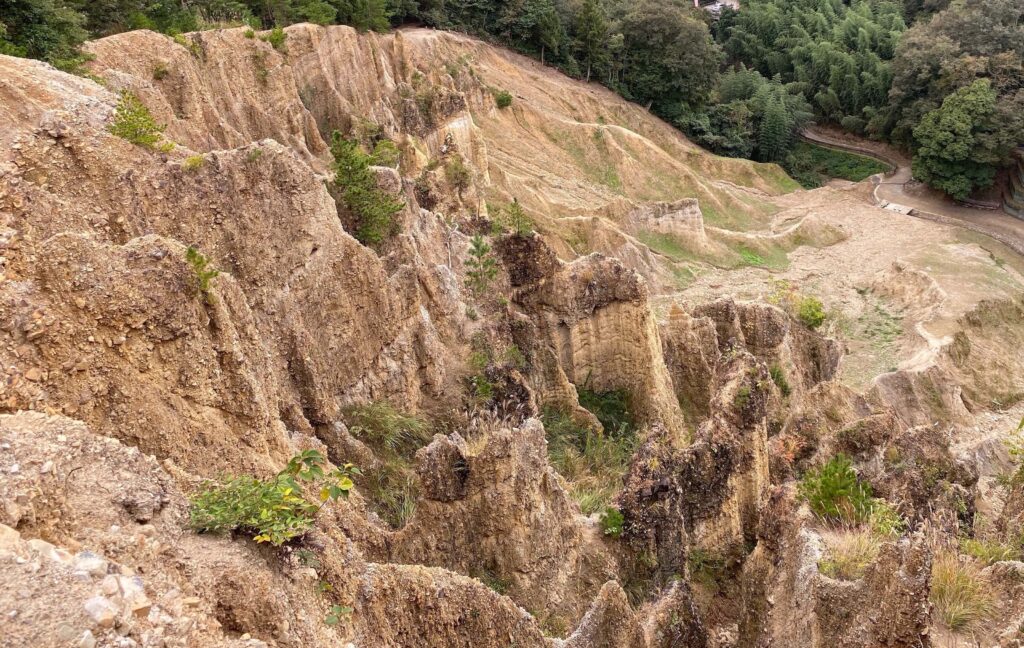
896	188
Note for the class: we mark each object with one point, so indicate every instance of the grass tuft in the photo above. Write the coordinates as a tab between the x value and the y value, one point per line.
849	553
594	463
962	596
392	487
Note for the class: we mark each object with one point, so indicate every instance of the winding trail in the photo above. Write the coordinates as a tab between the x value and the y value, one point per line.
892	191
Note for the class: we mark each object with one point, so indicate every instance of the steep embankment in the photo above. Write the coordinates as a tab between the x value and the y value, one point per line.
143	379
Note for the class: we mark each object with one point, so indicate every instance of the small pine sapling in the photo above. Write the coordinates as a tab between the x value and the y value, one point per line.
481	266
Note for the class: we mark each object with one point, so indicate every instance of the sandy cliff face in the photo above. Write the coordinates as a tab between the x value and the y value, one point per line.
125	383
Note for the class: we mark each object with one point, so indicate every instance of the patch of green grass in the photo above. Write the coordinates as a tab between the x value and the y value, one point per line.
990	551
594	463
395	437
611	408
492	580
835	493
779	378
751	258
812	165
706	566
666	244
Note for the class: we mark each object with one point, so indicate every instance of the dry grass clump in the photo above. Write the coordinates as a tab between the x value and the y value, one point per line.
849	553
961	594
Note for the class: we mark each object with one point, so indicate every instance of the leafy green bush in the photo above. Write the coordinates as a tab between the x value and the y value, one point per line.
372	208
885	520
201	266
481	266
273	510
612	522
811	312
835	493
276	37
133	122
503	99
249	33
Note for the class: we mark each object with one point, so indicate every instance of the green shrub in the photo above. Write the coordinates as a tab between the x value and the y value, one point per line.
133	122
779	378
962	596
337	613
249	33
481	266
835	493
273	510
811	312
385	153
276	37
742	397
457	173
885	520
193	163
612	522
160	71
612	409
706	566
503	99
201	266
372	208
190	45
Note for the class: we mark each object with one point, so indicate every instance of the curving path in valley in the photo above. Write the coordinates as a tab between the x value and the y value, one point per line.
894	190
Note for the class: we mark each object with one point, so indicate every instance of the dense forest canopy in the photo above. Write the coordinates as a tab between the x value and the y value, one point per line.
941	78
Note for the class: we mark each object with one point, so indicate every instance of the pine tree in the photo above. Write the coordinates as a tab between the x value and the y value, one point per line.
481	266
592	35
372	208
